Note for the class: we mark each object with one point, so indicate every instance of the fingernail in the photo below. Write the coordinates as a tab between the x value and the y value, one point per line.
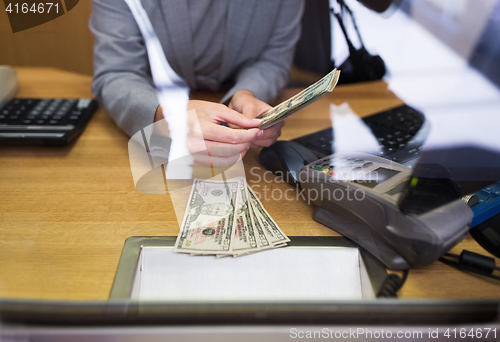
260	133
258	120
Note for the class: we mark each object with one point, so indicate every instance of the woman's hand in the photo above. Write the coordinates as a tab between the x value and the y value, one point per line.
245	102
212	144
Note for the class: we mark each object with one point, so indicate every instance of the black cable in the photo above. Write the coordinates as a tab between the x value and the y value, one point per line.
467	260
344	7
392	283
472	262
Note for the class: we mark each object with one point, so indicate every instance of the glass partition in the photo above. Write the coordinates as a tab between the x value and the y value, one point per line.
66	213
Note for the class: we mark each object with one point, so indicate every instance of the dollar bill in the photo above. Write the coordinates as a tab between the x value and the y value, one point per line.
268	226
208	224
309	95
245	240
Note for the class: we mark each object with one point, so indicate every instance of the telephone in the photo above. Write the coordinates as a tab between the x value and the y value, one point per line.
8	84
357	195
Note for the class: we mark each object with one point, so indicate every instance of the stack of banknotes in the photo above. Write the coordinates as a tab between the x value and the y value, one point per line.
226	218
309	95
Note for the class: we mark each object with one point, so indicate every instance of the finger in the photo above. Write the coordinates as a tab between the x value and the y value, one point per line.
262	108
249	110
214	146
196	141
225	151
197	144
264	143
227	135
218	151
209	161
273	132
225	114
278	125
270	133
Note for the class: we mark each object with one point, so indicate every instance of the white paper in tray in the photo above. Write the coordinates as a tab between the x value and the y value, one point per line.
280	275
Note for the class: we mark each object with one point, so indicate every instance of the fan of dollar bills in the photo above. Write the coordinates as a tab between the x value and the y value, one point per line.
225	218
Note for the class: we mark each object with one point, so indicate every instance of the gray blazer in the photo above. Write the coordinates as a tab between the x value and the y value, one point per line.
258	50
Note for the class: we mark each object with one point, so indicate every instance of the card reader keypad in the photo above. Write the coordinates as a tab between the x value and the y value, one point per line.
331	165
360	169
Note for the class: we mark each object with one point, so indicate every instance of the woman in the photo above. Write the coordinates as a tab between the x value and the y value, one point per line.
245	46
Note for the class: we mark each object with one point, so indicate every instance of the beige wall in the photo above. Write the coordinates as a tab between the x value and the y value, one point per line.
64	43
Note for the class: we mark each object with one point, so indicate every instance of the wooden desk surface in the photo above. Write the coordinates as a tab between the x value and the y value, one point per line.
66	212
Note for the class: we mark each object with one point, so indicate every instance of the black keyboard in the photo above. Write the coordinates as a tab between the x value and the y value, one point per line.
52	121
400	131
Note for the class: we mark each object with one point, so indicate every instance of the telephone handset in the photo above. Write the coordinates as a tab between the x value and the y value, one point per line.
8	84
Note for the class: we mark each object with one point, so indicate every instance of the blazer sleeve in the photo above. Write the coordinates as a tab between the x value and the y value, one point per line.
122	81
267	75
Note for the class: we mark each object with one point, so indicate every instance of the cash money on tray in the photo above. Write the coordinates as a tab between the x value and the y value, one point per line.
226	218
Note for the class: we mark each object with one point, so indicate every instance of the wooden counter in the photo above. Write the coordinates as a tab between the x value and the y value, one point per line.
66	212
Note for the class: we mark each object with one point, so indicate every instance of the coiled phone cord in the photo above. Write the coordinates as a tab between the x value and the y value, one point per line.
391	285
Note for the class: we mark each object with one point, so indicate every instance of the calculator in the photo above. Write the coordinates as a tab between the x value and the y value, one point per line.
51	121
